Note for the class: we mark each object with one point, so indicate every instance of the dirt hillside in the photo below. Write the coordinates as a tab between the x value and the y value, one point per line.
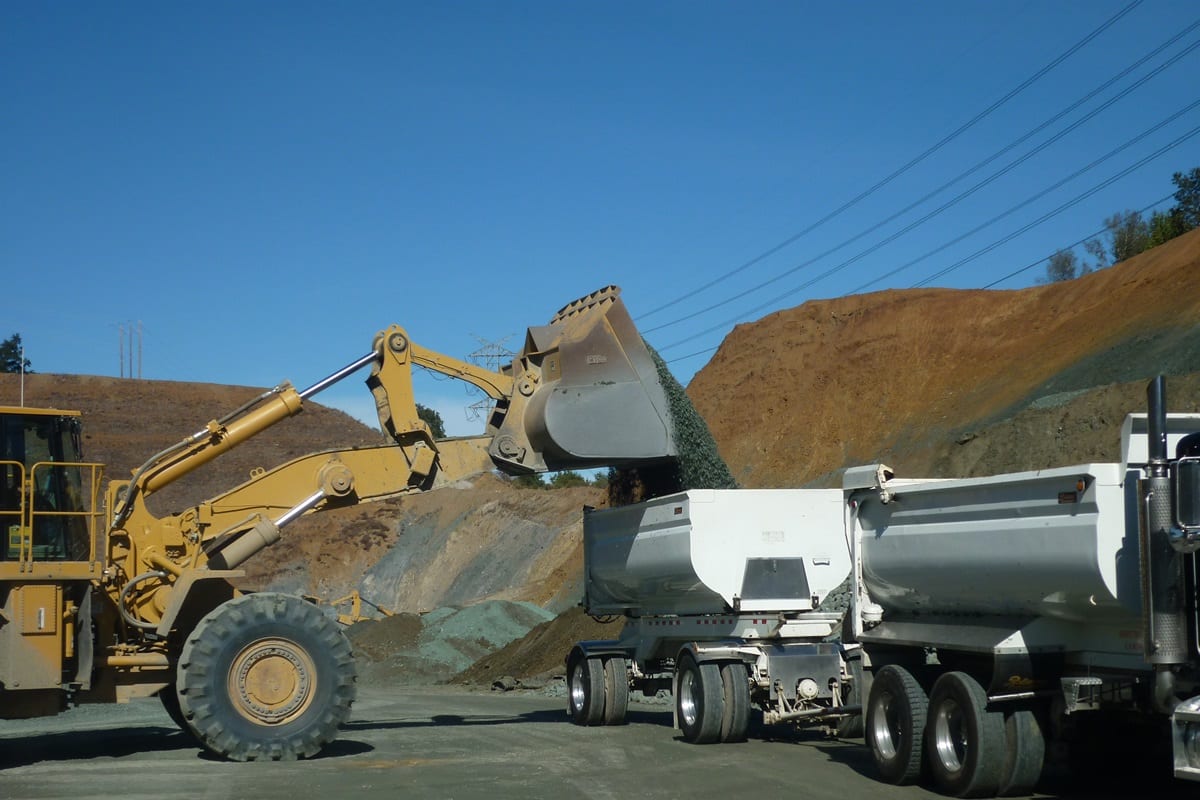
896	375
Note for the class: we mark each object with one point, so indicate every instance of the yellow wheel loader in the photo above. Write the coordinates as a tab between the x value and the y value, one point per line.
102	601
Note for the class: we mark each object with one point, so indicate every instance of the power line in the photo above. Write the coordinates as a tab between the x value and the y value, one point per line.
991	221
979	185
912	163
1074	244
1045	217
991	285
1037	196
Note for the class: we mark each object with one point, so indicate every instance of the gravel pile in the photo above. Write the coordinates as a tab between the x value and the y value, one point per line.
410	649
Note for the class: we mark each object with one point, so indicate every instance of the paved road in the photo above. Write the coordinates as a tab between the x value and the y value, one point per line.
436	743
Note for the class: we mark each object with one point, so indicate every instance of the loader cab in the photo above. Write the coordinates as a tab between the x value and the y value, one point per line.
47	493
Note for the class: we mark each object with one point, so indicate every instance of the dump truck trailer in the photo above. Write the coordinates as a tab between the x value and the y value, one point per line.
721	591
991	620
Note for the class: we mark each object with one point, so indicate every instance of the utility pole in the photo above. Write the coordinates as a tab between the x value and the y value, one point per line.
125	334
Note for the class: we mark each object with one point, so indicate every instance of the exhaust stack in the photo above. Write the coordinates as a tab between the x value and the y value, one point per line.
1163	619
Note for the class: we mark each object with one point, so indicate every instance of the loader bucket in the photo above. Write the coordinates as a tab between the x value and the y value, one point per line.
587	393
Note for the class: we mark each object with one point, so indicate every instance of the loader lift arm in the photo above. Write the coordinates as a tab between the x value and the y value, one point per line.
583	392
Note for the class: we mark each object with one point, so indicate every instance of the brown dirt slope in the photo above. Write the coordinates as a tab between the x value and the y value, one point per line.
895	375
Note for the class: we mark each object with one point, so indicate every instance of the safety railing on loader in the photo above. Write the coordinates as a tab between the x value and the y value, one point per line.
50	520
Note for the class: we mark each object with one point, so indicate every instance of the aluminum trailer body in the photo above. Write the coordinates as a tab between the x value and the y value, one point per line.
996	614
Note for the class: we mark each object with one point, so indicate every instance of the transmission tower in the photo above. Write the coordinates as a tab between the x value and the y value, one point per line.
490	355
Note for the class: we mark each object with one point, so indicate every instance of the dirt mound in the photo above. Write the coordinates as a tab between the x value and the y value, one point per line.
407	648
542	652
795	397
377	639
452	547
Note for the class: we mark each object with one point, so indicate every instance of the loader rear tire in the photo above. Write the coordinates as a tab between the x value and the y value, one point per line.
699	700
266	677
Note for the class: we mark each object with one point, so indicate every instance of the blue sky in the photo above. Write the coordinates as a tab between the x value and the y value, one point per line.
264	185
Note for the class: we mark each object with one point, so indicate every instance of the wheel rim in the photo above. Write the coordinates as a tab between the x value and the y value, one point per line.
272	681
950	735
578	690
885	731
688	707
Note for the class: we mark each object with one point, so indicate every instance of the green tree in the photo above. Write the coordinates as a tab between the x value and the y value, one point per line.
567	479
1062	266
11	356
1165	226
1188	197
531	481
433	419
1130	235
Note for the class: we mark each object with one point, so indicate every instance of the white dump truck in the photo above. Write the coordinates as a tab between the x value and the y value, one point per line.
989	618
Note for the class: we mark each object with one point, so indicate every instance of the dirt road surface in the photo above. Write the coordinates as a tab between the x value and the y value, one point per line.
437	743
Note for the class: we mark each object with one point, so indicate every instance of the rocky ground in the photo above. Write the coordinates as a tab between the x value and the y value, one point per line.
486	576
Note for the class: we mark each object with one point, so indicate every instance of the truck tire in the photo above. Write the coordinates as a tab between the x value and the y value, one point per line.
895	724
585	690
616	690
266	677
1025	753
965	743
699	700
735	690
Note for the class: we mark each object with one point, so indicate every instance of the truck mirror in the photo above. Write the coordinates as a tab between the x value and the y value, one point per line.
1187	493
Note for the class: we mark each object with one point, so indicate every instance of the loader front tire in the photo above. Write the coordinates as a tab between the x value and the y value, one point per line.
170	703
266	677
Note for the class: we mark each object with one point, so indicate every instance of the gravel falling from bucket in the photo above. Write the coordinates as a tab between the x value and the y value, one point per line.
698	465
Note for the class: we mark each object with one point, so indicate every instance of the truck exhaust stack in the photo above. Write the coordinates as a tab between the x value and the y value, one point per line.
1165	627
